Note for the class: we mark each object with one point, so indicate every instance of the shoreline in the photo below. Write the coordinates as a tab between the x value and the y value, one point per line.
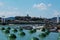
26	26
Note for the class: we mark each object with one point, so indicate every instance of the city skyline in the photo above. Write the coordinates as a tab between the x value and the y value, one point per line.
37	8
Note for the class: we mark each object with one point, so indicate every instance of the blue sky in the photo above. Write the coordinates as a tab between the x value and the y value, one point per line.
43	8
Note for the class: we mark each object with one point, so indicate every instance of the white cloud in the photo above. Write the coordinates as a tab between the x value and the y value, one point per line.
12	8
15	8
1	3
10	12
42	6
49	5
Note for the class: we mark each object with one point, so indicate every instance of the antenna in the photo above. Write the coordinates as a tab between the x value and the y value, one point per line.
28	11
57	18
57	15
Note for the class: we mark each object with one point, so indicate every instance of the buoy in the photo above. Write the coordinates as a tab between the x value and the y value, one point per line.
22	33
47	32
8	28
32	31
6	31
2	28
43	29
14	30
34	38
42	35
20	29
12	36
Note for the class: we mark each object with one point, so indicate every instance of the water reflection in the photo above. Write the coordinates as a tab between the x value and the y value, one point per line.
28	36
11	39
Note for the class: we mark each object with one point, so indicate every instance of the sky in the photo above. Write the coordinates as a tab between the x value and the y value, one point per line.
35	8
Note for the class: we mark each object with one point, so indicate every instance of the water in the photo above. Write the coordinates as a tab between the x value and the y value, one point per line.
28	36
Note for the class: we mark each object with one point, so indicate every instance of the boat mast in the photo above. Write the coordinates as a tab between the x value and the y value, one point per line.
57	18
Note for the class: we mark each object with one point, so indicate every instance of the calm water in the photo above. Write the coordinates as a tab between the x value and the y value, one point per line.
28	36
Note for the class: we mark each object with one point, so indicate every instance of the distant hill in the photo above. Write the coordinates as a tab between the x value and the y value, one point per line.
54	19
10	18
